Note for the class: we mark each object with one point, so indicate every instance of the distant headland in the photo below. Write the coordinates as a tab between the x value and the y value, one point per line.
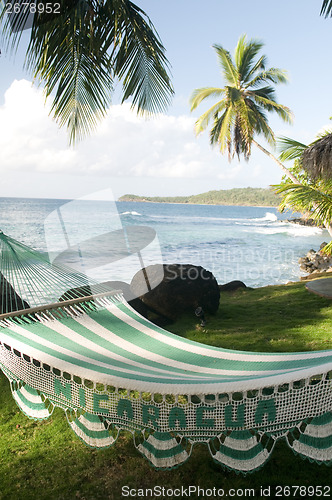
262	197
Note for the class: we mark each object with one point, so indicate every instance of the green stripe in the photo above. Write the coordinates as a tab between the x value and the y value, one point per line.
242	455
108	371
30	390
172	452
123	306
106	344
126	331
162	436
102	434
43	332
30	404
177	354
324	419
242	435
316	442
90	417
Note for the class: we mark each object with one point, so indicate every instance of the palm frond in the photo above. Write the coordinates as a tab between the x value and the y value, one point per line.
260	122
140	61
258	66
243	129
273	75
245	53
225	60
77	55
290	149
200	95
322	134
326	9
307	198
209	115
221	132
271	105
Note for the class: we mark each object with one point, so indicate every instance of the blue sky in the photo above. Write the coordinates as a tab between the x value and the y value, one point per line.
162	156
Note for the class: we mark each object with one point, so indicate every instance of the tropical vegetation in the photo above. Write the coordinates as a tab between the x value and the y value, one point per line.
240	112
313	195
237	196
80	53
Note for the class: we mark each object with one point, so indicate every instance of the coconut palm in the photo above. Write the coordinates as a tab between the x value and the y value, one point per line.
313	196
80	53
240	112
315	200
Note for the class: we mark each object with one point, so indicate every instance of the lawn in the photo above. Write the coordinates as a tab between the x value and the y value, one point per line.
45	460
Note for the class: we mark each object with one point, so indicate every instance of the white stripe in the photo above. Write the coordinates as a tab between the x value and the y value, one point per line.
202	386
319	431
161	444
95	442
42	413
103	332
243	465
95	348
34	398
45	357
163	462
92	426
322	455
240	444
205	351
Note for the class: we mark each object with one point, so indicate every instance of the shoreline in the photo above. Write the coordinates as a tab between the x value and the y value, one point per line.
244	197
198	204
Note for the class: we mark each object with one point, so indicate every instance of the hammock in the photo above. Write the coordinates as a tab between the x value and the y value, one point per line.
110	369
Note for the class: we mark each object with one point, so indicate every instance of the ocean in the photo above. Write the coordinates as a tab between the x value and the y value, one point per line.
253	244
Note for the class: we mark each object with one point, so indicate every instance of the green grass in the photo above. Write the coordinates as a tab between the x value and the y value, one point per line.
45	460
270	319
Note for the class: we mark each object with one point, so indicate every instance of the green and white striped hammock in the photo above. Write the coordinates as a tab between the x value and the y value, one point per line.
110	369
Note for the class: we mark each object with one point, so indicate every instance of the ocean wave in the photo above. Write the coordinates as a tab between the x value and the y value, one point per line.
268	217
130	213
289	229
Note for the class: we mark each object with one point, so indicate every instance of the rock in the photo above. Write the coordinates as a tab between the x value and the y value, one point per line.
83	291
173	289
232	286
304	222
315	262
10	301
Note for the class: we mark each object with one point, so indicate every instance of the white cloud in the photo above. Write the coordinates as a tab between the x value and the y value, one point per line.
124	145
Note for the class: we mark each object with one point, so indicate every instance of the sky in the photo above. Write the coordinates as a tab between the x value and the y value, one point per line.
162	156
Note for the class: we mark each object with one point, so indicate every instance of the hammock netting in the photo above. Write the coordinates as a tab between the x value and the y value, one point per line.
110	369
28	279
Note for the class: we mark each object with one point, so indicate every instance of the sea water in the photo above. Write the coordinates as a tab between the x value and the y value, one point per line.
253	244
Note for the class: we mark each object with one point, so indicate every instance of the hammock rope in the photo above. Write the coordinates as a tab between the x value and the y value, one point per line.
110	369
28	279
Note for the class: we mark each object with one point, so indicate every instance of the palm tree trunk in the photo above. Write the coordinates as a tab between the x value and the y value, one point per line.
283	168
289	174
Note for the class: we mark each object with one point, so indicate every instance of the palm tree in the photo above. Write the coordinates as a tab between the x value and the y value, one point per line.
313	195
80	53
240	112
